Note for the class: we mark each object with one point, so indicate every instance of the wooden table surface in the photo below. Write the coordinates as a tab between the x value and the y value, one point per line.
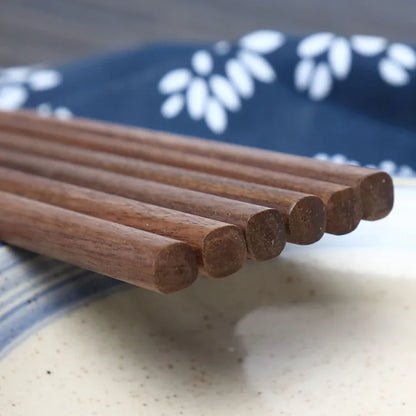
51	31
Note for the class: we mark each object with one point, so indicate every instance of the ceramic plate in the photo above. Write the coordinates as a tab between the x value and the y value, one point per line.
327	329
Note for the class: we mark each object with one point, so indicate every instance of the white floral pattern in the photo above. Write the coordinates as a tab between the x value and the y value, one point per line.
16	83
403	171
61	113
326	58
209	96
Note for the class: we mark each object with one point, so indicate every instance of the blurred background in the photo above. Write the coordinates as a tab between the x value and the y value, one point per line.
51	31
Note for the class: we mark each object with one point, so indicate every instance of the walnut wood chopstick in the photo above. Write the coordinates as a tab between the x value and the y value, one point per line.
263	227
342	203
304	214
155	262
220	247
376	187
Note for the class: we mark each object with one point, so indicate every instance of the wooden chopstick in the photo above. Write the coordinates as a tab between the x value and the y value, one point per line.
342	203
150	208
263	227
304	215
376	187
155	262
220	247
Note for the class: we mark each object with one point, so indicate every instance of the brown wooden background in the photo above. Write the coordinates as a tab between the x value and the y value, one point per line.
51	31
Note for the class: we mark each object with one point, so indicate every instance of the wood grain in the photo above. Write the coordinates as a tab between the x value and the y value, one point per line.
138	257
220	247
60	31
304	215
263	227
342	203
376	187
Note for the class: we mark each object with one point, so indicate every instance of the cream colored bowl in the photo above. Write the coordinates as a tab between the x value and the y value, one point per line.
328	329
